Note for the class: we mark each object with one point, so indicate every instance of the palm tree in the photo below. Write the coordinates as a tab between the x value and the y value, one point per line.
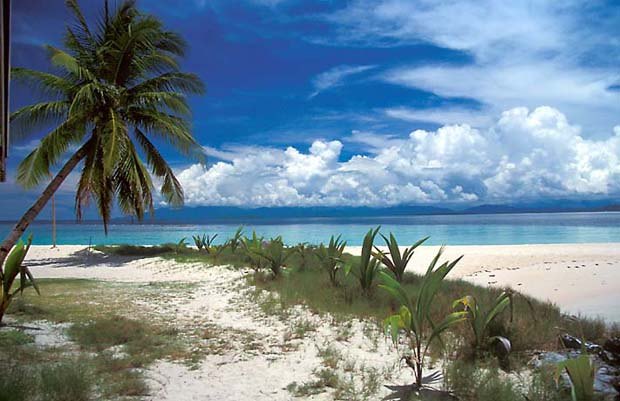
118	87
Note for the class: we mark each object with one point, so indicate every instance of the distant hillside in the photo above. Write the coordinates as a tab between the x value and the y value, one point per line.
221	213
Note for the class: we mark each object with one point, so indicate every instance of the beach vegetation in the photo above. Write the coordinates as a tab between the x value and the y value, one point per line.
12	269
275	253
580	372
235	241
481	319
394	260
330	257
253	248
413	319
366	268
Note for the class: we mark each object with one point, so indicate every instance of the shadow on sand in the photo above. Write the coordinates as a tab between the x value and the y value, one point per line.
83	258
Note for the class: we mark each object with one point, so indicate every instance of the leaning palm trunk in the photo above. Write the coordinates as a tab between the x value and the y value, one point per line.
39	204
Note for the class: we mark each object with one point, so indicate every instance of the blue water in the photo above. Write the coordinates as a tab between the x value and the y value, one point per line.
501	229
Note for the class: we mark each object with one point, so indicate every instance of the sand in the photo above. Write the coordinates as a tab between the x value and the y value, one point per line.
579	278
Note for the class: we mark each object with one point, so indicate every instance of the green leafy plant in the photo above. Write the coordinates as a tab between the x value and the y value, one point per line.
480	320
13	267
216	251
394	260
330	257
414	317
302	250
276	255
181	245
208	243
236	239
253	248
200	241
366	269
580	371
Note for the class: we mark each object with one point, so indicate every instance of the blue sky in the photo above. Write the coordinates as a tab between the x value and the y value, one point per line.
381	103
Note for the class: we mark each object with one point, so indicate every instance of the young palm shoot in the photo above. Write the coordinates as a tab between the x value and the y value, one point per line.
366	270
216	251
413	320
580	371
199	241
394	260
481	320
302	250
14	267
330	257
253	248
236	239
276	255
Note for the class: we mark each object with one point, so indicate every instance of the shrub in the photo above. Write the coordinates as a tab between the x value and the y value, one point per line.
366	269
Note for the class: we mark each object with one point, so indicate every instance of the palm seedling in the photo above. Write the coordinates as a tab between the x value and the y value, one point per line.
481	320
302	250
208	242
236	239
199	241
394	260
580	372
414	318
253	248
275	254
14	267
216	251
181	245
330	257
366	269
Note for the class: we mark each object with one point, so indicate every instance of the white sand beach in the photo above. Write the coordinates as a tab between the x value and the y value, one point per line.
580	278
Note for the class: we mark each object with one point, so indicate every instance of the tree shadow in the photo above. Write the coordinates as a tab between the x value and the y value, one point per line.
83	258
425	393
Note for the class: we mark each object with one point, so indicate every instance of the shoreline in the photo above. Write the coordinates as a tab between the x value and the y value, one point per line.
579	278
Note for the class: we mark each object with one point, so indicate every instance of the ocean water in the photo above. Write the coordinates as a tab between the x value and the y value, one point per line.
498	229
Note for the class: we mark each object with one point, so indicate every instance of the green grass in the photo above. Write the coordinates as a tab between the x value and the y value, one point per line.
114	337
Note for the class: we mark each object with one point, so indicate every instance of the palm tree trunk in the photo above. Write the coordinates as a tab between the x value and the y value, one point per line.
40	203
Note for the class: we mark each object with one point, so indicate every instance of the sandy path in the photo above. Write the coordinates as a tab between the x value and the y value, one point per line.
580	278
254	356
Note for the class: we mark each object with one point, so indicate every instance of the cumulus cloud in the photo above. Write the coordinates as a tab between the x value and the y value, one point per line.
524	154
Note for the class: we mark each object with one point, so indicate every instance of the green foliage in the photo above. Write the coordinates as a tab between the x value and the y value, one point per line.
205	242
236	239
480	320
116	88
253	248
276	254
181	245
14	267
303	249
394	261
368	266
331	257
580	371
414	317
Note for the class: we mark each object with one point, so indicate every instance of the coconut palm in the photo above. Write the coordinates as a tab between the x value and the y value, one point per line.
118	90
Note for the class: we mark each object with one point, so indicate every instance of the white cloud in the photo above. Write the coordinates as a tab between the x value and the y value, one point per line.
523	155
441	116
523	53
336	77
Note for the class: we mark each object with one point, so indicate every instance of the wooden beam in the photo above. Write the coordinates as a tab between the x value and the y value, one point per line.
5	46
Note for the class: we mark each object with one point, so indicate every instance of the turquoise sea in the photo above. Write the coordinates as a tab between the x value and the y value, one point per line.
488	229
